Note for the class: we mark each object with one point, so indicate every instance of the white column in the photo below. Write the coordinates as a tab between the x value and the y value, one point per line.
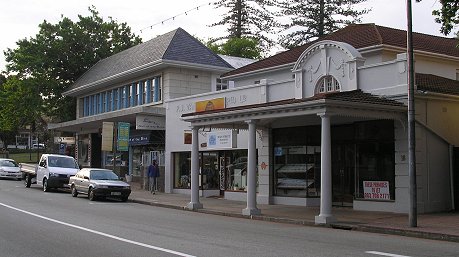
194	204
325	216
252	172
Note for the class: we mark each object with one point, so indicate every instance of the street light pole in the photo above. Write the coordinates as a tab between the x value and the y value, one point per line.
411	121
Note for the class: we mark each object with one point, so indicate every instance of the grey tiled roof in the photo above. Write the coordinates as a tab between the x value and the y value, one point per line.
176	45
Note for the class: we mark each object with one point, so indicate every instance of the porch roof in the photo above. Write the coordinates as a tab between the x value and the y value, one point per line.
354	103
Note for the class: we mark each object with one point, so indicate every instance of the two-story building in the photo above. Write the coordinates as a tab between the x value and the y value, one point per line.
130	87
324	124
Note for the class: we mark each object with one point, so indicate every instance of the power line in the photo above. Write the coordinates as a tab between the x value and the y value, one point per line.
175	16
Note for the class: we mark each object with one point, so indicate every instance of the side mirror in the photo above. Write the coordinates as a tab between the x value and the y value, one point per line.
86	177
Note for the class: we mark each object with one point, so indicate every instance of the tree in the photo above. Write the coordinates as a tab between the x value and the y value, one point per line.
447	16
59	54
240	47
248	18
310	19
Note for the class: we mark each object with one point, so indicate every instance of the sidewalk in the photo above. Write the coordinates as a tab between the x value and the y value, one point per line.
438	226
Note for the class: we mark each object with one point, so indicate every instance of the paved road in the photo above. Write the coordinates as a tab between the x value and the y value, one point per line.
34	223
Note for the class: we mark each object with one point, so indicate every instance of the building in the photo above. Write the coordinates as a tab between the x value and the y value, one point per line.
128	90
324	124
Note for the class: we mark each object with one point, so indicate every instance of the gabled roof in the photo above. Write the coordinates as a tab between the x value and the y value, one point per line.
176	45
361	36
436	84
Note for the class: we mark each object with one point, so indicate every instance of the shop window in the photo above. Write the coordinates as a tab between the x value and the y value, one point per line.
236	170
182	170
375	160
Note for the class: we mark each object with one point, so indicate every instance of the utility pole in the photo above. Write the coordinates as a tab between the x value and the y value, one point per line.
413	212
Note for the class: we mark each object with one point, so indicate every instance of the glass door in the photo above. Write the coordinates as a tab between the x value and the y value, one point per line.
343	174
209	171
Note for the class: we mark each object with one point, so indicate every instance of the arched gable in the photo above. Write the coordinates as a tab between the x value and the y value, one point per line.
326	58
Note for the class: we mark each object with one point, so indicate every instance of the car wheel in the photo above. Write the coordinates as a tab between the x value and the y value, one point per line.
91	195
27	181
45	185
74	191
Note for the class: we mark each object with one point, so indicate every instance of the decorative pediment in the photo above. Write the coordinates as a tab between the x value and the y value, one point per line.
327	58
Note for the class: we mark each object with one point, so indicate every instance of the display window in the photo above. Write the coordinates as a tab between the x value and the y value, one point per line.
219	170
363	162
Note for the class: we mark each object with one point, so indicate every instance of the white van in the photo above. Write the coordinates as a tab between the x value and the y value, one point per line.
54	171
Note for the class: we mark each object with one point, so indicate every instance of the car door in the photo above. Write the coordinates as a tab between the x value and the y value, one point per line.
84	185
41	169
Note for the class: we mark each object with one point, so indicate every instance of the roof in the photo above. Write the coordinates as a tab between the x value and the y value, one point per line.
237	62
355	96
361	36
176	45
436	84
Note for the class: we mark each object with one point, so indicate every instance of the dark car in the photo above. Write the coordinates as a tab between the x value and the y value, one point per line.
99	183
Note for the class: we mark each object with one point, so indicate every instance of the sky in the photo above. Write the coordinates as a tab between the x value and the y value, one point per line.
19	19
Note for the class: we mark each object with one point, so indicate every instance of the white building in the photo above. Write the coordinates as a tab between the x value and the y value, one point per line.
324	124
131	87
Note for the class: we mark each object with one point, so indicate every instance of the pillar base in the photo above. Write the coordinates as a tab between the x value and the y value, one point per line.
324	219
194	206
250	212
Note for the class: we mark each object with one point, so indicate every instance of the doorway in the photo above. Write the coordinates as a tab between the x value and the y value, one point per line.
343	174
456	178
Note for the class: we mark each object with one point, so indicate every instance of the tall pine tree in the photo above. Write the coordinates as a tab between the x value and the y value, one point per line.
310	19
249	19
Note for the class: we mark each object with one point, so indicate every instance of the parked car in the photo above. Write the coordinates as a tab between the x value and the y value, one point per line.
99	183
54	171
38	146
10	169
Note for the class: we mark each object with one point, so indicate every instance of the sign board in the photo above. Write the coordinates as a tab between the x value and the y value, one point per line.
376	190
107	136
222	139
187	138
123	137
64	140
145	122
212	104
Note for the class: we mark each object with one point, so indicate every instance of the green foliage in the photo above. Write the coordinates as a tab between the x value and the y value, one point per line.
310	19
60	53
248	18
240	47
447	16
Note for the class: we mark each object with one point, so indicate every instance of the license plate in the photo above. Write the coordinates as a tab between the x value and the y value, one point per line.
116	193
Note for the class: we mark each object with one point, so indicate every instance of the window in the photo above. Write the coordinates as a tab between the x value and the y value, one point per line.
115	99
129	93
327	84
144	92
109	101
221	84
182	168
137	91
123	97
104	102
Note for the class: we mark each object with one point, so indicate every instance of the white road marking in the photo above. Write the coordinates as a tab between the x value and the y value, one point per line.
99	233
386	254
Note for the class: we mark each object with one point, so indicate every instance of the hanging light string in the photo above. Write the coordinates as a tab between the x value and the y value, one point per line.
175	16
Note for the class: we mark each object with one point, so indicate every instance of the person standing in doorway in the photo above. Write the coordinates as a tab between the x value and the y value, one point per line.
153	174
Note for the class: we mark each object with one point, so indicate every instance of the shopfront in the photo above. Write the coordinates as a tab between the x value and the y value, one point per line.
219	170
361	152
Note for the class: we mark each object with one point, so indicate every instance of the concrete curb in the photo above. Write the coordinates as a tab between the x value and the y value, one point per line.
338	225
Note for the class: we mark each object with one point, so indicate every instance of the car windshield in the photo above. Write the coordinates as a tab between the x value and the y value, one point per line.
103	175
62	162
8	163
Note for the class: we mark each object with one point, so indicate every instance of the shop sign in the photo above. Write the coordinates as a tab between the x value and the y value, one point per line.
123	136
222	139
107	136
145	122
376	190
139	140
212	104
64	140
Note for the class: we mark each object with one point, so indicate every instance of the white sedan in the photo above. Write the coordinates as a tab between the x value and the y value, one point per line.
10	169
99	183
